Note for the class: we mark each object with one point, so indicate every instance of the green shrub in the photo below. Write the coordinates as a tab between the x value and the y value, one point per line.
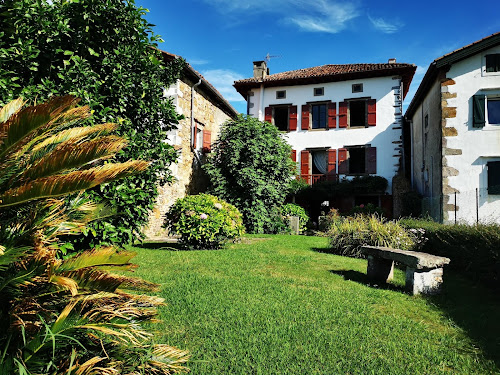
474	250
348	235
204	221
292	209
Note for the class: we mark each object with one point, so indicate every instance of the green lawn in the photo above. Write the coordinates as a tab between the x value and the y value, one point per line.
277	305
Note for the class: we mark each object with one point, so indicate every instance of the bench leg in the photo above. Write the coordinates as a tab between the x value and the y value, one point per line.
424	281
380	270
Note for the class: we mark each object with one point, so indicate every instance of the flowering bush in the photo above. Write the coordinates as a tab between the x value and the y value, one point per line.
291	209
368	209
204	221
348	235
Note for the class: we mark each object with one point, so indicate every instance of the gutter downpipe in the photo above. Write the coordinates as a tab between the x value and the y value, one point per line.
261	111
193	130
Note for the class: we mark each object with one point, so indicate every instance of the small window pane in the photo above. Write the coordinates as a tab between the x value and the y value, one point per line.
319	91
494	111
357	87
281	94
493	177
319	116
493	63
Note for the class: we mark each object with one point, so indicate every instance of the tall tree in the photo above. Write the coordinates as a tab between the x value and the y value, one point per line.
104	52
251	168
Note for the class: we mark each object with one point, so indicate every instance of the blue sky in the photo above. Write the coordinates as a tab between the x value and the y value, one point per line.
221	38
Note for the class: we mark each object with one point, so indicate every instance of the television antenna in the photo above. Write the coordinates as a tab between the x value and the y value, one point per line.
269	57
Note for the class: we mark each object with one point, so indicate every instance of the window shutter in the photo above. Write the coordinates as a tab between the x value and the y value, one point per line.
207	140
478	106
304	164
305	117
292	121
332	115
268	114
332	162
343	115
293	156
372	112
343	161
371	160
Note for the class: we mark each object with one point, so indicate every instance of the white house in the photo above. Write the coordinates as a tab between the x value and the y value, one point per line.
453	134
341	120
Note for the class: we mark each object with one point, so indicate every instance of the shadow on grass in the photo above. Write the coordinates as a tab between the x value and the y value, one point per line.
169	246
475	308
361	278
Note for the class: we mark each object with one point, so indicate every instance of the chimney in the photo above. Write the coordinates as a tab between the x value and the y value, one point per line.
392	61
260	69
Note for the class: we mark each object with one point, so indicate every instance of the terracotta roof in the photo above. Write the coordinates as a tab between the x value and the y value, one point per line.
330	73
444	62
190	71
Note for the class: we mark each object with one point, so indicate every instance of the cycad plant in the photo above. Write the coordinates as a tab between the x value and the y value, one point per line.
66	315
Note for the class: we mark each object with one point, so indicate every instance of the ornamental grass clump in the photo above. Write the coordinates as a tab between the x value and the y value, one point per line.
349	235
204	221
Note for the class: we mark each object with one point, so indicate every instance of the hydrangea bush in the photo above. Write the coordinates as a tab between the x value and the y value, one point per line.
204	221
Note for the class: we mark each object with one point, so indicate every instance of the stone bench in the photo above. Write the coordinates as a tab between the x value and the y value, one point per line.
424	272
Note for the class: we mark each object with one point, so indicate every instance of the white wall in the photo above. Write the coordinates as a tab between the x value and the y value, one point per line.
478	145
382	136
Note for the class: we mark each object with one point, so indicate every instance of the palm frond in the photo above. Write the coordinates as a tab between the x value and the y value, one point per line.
21	127
105	256
70	155
66	283
10	108
58	185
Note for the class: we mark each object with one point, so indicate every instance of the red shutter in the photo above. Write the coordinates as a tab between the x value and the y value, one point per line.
332	162
371	160
343	161
305	117
207	140
304	165
372	112
292	121
332	115
293	156
343	115
268	114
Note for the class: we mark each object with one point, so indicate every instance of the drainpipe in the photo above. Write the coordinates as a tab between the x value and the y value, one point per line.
261	111
193	129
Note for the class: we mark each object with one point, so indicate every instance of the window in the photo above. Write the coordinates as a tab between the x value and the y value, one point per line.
493	63
356	160
319	91
485	110
493	177
281	94
281	118
493	110
357	113
318	116
357	87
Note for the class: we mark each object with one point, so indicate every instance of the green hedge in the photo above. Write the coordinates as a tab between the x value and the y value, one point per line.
474	250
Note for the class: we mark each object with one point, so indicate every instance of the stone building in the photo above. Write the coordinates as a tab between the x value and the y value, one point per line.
342	121
204	110
452	135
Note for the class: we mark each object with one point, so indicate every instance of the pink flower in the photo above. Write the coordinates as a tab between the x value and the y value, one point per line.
203	216
361	206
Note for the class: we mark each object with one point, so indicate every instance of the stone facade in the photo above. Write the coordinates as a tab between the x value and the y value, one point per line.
208	114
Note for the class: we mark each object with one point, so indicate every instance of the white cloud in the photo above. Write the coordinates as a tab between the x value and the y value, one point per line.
198	61
329	16
222	80
385	26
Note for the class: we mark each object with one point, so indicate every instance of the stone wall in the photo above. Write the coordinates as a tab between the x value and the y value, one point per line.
188	176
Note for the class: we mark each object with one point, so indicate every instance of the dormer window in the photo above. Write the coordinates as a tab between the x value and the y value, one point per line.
281	94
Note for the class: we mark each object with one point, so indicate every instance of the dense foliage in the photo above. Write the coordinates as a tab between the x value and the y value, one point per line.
348	235
250	167
291	209
101	51
204	221
66	315
474	250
